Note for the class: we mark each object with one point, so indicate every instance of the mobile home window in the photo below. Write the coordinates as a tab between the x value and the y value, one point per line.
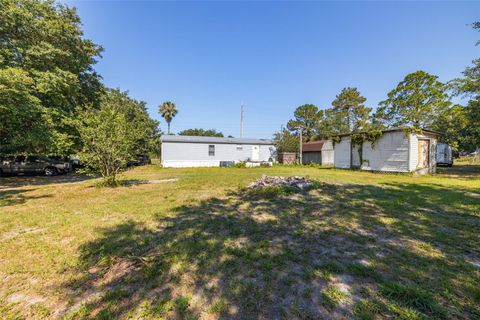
239	147
211	150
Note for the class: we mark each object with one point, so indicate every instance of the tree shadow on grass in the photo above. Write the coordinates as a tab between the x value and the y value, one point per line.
16	197
462	172
335	252
13	181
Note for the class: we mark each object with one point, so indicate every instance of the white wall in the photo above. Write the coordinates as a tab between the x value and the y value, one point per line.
182	154
389	153
328	157
393	152
342	153
355	157
413	156
328	153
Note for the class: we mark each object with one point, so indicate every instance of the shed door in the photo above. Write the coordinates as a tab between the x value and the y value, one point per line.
312	157
423	153
255	153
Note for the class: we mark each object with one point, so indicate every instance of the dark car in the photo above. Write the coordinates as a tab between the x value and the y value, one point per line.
141	160
32	164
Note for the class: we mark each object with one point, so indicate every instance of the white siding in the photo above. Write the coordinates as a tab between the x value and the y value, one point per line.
342	153
394	151
327	153
327	146
327	158
189	163
433	155
389	153
413	156
355	157
192	154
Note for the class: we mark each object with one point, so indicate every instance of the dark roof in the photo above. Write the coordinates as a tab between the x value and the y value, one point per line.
393	130
313	146
202	139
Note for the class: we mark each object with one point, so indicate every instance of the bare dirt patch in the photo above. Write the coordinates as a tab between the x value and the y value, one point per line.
19	232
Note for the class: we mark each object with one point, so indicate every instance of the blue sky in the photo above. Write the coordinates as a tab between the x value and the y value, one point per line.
209	57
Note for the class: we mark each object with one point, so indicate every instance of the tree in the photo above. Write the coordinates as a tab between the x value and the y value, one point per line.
168	110
46	74
113	133
285	141
416	102
331	124
471	138
148	133
307	119
21	123
469	86
452	123
201	132
349	112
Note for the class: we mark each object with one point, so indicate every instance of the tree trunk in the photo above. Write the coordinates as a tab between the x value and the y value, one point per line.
168	130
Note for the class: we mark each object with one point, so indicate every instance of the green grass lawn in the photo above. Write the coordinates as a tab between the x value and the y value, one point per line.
359	245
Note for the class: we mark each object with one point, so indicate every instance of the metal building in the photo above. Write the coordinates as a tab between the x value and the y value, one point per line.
397	150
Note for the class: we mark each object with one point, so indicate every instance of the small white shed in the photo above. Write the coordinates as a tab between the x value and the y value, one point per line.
197	151
320	152
395	151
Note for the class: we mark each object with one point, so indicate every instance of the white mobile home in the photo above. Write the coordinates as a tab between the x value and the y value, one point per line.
195	151
395	151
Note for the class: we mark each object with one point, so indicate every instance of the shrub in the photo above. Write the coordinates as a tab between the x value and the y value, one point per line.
240	165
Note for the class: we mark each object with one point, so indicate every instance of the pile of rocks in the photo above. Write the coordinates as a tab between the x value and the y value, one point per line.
275	181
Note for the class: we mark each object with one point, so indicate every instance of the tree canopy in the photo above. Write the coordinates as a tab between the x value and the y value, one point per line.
469	86
306	118
349	112
286	141
416	102
452	123
201	132
46	74
114	133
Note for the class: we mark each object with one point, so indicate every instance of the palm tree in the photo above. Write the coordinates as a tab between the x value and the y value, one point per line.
168	110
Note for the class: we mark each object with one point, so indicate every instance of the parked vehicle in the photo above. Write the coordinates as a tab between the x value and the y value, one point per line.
444	155
75	163
32	164
141	160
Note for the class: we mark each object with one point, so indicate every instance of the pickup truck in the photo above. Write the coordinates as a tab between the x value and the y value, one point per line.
32	164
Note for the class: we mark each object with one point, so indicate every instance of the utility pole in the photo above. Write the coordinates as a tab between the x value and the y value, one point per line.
241	120
301	147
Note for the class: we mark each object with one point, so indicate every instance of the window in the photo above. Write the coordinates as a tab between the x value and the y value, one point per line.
20	159
31	159
211	150
239	147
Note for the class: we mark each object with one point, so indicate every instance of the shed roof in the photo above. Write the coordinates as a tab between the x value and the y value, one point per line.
313	146
202	139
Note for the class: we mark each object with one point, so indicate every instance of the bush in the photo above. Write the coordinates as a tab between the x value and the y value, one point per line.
240	165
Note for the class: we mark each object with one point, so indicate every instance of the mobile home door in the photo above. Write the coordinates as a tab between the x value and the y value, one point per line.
255	153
